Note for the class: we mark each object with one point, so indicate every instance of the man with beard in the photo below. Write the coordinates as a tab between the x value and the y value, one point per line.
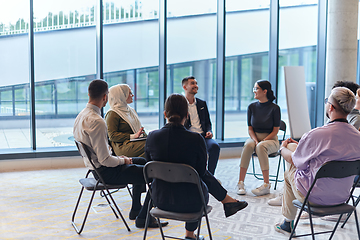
199	121
337	140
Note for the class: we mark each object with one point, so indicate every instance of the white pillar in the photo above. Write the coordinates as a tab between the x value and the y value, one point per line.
341	59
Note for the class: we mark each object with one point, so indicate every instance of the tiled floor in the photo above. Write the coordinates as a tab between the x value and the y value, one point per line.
39	205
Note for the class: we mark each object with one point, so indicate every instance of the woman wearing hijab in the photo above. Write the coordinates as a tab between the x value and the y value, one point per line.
123	123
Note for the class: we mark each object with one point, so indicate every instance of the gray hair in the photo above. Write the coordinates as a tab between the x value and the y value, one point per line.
344	97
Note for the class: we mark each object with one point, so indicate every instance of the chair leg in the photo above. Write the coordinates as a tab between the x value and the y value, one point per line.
198	231
86	213
208	225
357	224
127	186
254	172
147	219
295	225
110	205
161	230
277	173
311	224
336	225
348	216
118	210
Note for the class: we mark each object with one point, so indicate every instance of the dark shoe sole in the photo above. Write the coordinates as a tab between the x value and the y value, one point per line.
230	213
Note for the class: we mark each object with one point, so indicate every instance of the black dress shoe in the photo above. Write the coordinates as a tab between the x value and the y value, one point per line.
233	207
201	237
133	214
140	223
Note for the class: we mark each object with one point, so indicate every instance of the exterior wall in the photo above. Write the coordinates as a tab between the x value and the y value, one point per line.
76	46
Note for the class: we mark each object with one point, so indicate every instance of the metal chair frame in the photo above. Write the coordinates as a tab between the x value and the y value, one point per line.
93	185
357	185
274	178
332	169
175	173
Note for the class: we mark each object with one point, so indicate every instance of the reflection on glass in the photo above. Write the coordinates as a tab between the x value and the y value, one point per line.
297	47
64	65
191	48
14	75
246	50
131	54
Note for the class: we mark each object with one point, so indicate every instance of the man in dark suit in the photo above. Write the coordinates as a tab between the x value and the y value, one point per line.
199	120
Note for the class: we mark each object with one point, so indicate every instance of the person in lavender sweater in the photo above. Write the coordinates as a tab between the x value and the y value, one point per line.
337	140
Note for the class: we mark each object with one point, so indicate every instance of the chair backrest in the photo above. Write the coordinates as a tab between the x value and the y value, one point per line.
338	169
171	172
283	128
84	151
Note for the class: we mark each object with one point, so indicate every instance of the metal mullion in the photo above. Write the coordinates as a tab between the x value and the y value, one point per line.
321	63
162	58
99	43
358	64
135	90
274	45
220	69
32	77
239	73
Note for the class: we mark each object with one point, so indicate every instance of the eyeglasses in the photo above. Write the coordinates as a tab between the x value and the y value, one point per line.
255	89
327	101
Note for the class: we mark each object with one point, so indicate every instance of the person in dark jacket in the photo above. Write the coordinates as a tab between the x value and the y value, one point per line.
199	121
175	144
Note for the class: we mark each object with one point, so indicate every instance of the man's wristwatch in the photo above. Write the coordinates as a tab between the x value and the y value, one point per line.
281	148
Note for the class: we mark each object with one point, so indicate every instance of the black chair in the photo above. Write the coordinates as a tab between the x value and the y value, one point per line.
175	173
93	185
332	169
274	178
357	184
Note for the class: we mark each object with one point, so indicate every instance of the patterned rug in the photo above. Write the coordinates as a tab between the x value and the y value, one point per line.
39	205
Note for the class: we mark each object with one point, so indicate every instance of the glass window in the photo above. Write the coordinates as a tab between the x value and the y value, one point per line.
297	47
191	48
131	54
246	51
65	60
14	75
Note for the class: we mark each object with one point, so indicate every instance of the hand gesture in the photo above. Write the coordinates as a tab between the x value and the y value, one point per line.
141	131
208	135
127	159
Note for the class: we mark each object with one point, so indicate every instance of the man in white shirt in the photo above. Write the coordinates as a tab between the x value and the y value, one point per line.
90	128
199	121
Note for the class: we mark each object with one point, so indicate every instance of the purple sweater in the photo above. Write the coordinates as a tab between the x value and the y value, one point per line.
334	141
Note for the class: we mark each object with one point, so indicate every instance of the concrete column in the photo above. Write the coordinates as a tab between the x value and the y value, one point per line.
341	59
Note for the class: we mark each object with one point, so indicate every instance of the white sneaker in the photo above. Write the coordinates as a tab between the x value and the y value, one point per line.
276	201
241	188
262	190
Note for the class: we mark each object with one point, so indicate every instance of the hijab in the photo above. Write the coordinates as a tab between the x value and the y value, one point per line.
117	101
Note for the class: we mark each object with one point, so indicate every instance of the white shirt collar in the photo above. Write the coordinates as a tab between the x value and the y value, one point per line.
93	107
194	103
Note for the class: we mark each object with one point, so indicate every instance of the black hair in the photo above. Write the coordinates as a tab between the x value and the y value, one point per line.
97	88
265	84
350	85
176	108
186	79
